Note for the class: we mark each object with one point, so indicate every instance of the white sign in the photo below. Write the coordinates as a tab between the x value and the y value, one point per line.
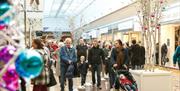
125	25
103	30
173	13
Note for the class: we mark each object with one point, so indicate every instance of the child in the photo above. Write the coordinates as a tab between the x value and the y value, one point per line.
127	83
83	67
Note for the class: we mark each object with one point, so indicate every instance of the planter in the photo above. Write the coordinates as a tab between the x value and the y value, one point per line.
153	81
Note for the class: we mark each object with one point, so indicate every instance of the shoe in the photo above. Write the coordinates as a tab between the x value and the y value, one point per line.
93	84
83	87
99	87
111	89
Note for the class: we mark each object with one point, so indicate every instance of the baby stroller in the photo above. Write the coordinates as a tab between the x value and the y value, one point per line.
126	80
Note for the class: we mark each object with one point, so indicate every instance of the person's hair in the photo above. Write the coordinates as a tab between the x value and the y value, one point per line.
68	39
127	44
61	40
39	44
120	42
133	41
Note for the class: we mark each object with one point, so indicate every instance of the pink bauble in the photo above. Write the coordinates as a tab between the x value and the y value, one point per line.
10	79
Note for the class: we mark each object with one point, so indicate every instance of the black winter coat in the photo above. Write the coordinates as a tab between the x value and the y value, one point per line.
95	56
83	67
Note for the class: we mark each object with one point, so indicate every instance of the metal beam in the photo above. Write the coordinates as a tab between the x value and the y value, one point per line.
51	7
68	6
60	7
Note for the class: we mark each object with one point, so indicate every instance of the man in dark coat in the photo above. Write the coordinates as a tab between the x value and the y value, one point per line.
95	57
164	51
135	56
81	50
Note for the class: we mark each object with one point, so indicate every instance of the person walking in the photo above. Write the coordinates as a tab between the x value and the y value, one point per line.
176	57
134	56
95	57
68	58
83	68
40	82
119	61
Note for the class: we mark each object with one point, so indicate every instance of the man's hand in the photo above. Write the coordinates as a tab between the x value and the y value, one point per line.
82	61
125	66
115	65
69	62
89	66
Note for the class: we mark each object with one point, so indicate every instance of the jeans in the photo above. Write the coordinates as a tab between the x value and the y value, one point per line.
111	77
83	79
70	81
96	68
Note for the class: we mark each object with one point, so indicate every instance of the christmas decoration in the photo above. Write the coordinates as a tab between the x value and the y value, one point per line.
149	15
29	64
10	79
6	54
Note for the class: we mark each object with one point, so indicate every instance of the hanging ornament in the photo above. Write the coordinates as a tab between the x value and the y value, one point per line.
138	11
158	27
4	7
2	26
29	64
6	54
152	15
4	23
10	79
145	28
161	1
163	8
6	20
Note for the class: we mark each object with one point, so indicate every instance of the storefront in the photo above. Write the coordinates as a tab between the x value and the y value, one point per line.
170	30
127	31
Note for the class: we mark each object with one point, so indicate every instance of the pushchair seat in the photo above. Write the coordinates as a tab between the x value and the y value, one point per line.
126	80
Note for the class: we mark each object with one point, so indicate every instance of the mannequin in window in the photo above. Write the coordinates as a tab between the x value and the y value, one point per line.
37	3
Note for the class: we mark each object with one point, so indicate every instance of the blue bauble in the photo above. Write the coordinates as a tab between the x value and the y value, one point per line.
4	7
29	64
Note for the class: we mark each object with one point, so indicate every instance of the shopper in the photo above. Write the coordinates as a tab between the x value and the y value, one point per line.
41	81
176	57
164	51
134	56
60	44
68	57
119	60
83	68
95	57
142	53
106	50
157	54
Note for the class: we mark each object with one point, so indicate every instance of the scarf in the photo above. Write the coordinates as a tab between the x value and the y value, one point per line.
120	57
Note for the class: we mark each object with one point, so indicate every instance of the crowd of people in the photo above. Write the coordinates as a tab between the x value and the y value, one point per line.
77	60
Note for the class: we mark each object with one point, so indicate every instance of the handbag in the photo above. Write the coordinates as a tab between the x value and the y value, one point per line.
52	80
70	72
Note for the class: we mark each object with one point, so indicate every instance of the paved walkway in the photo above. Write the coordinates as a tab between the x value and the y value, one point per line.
105	84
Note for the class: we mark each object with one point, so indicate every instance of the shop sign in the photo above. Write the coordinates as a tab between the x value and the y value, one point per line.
173	13
85	36
125	25
103	30
93	33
